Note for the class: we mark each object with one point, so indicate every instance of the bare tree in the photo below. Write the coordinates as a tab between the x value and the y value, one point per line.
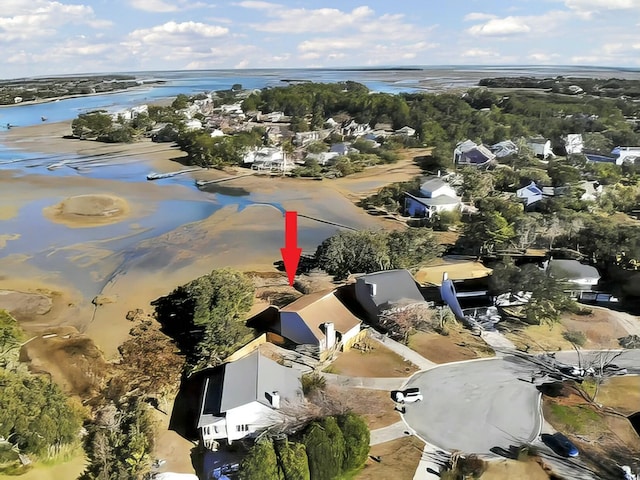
403	319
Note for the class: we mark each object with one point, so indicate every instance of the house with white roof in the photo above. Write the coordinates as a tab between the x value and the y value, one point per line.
626	154
406	131
578	275
573	143
241	399
471	154
541	147
436	196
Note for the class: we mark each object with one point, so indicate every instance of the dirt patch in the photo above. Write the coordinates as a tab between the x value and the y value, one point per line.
511	469
459	345
23	305
379	361
399	460
538	338
621	393
374	405
171	447
601	328
7	237
71	359
88	210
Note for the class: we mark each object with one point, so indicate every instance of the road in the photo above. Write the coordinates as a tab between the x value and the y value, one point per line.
474	406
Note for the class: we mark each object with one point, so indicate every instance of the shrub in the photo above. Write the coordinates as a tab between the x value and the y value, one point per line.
312	382
293	460
261	463
576	337
356	436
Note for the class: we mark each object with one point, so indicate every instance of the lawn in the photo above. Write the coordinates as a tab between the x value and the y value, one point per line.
377	362
511	469
375	406
460	344
576	419
621	393
399	460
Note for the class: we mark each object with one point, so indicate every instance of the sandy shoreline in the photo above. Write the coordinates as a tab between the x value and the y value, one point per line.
249	239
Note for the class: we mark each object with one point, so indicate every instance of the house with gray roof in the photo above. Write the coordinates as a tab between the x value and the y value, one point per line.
242	398
436	196
471	154
380	291
529	194
579	275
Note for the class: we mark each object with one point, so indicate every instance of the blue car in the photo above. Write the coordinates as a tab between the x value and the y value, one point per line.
560	444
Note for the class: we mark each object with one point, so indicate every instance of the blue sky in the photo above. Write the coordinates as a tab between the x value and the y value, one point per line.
43	37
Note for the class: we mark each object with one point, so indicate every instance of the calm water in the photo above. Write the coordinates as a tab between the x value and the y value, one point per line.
51	246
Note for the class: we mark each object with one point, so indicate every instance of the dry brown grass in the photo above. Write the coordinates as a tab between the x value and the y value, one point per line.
513	469
459	345
621	393
399	460
377	362
375	406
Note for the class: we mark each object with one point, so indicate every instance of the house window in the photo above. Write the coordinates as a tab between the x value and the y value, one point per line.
215	429
242	428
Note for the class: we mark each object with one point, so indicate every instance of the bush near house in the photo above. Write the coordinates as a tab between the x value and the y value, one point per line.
327	449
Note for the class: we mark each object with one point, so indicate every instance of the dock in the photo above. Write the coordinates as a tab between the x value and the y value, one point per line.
158	176
202	183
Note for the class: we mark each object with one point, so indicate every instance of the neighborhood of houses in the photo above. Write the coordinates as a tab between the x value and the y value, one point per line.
272	157
252	393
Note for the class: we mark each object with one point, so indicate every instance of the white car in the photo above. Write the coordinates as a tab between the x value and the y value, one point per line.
409	395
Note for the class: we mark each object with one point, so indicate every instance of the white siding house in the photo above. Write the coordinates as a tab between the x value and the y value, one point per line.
436	196
242	398
529	194
541	147
573	143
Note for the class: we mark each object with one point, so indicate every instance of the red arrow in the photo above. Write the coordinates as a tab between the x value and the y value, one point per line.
291	253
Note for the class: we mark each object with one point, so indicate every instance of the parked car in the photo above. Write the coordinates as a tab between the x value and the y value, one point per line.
409	395
612	369
560	444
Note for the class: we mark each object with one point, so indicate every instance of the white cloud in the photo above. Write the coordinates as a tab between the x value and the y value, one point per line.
477	17
543	57
21	20
258	5
163	6
302	20
498	27
171	33
479	53
599	5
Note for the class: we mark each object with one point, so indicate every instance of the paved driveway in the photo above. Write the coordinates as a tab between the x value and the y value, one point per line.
474	406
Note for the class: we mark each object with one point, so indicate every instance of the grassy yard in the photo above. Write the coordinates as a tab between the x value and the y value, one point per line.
399	460
377	362
512	469
460	344
621	393
375	406
576	419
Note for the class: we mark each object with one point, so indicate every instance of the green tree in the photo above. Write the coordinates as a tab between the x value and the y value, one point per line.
206	316
487	232
413	247
261	463
350	252
180	102
92	125
325	447
292	458
356	436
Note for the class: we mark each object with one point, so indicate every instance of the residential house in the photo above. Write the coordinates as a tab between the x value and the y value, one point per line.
380	291
263	154
319	320
541	147
592	190
351	128
436	196
504	149
529	194
193	124
578	275
456	270
216	132
231	109
323	158
17	99
406	131
573	143
330	123
626	154
343	149
242	398
472	154
303	139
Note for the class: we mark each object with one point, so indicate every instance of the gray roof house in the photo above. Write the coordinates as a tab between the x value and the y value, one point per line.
472	154
529	194
242	398
380	291
436	196
504	149
578	275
